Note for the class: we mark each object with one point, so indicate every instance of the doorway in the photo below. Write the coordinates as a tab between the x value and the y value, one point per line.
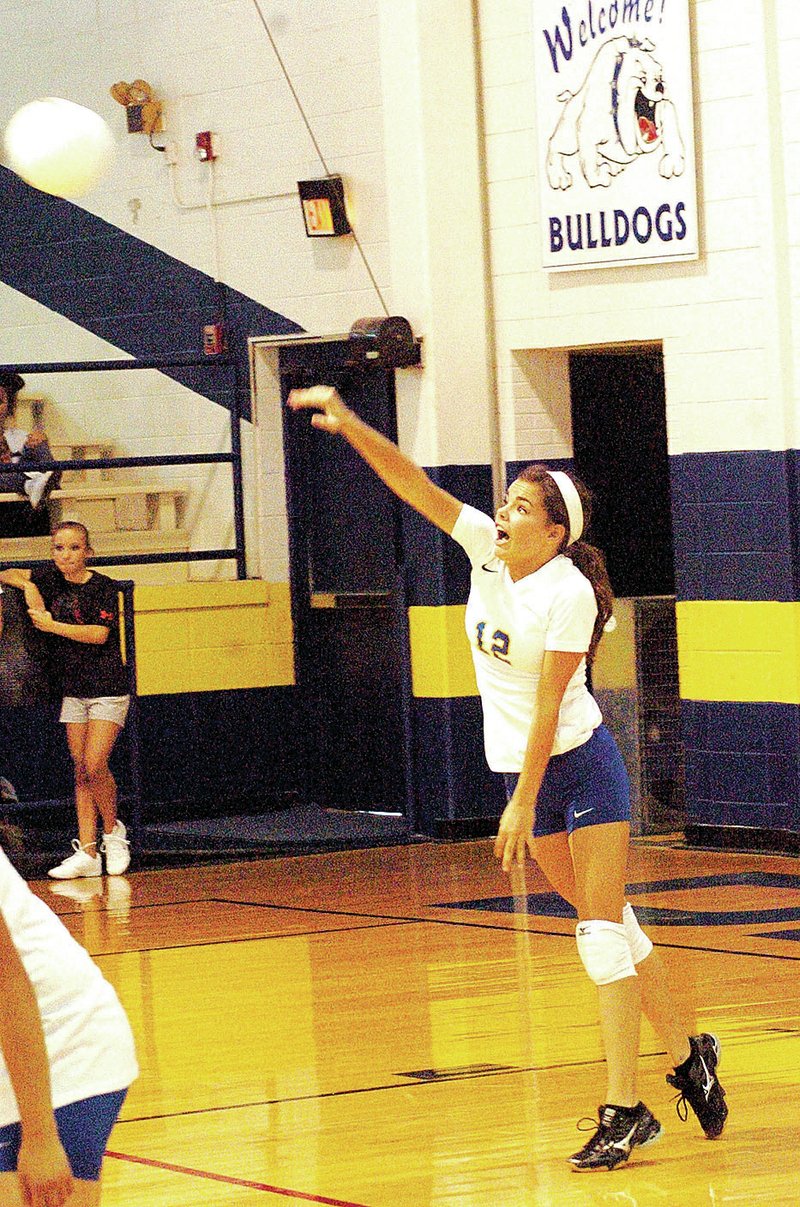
619	431
620	450
347	597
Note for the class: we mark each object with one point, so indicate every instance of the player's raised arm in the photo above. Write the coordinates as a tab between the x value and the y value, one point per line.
402	475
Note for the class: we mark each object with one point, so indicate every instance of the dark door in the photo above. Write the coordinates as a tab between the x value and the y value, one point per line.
620	440
348	607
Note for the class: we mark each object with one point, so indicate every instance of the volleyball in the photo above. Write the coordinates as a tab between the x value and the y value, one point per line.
58	146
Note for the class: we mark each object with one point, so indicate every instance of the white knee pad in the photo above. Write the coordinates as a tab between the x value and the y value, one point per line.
639	943
605	951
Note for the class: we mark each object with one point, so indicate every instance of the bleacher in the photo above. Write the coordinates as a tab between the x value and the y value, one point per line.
124	517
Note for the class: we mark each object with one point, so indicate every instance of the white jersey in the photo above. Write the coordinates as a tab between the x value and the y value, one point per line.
510	625
87	1034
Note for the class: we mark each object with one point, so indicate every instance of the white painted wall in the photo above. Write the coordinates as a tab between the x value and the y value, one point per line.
389	89
217	67
726	321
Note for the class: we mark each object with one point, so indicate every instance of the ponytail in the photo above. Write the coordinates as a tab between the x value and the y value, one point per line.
592	565
588	559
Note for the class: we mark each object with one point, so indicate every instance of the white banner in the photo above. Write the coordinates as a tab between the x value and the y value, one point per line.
614	117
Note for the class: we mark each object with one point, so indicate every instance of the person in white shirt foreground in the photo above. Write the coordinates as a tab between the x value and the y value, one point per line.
67	1056
539	601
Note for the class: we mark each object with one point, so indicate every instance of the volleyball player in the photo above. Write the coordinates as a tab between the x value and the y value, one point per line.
539	601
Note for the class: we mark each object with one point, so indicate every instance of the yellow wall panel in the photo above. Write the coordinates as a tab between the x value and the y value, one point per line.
441	663
183	596
736	624
278	616
167	674
281	665
157	631
229	668
227	627
739	651
197	637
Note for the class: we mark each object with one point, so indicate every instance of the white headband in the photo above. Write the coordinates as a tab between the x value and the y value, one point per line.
572	502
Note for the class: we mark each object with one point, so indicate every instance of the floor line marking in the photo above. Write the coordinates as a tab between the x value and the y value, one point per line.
230	1181
374	1089
294	934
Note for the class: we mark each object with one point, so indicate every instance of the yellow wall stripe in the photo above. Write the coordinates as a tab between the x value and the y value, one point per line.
441	663
739	651
225	636
195	637
727	650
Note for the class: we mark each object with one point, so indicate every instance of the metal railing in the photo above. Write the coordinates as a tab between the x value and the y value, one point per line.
126	586
233	458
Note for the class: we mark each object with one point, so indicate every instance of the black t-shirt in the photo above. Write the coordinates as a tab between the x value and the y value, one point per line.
85	670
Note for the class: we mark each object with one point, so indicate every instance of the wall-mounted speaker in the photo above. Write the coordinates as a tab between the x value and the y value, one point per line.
386	343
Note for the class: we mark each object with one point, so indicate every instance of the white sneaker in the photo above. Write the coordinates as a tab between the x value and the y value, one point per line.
81	863
116	848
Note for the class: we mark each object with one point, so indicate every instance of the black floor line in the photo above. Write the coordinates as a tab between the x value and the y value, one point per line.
405	1084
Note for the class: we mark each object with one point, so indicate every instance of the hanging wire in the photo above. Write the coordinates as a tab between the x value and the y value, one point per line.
317	147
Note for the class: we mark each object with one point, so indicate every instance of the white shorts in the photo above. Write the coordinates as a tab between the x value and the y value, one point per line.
79	711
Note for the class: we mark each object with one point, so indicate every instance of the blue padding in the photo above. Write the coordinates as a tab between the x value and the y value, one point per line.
742	765
212	746
734	518
218	745
452	780
123	289
436	568
753	727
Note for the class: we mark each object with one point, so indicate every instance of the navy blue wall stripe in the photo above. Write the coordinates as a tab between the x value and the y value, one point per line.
735	518
742	764
436	568
123	289
452	779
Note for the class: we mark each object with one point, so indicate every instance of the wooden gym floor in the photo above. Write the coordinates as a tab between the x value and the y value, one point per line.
389	1028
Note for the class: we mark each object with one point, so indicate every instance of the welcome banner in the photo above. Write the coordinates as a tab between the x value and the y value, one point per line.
615	124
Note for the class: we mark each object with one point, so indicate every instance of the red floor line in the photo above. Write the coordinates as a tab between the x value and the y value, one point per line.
219	1177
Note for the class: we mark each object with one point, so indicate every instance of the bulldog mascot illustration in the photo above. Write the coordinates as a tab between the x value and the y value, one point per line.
620	111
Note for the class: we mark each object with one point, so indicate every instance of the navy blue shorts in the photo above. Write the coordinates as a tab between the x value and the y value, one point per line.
83	1128
587	786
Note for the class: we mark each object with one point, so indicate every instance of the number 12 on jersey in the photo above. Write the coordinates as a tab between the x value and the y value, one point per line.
500	642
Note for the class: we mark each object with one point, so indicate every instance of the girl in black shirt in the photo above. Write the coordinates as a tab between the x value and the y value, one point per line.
80	608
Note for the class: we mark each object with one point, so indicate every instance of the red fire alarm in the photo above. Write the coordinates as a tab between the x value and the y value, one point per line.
204	146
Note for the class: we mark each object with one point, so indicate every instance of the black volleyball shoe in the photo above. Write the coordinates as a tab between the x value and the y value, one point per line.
620	1129
699	1086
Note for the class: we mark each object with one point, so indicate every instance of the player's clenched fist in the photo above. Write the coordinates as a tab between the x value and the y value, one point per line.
326	401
